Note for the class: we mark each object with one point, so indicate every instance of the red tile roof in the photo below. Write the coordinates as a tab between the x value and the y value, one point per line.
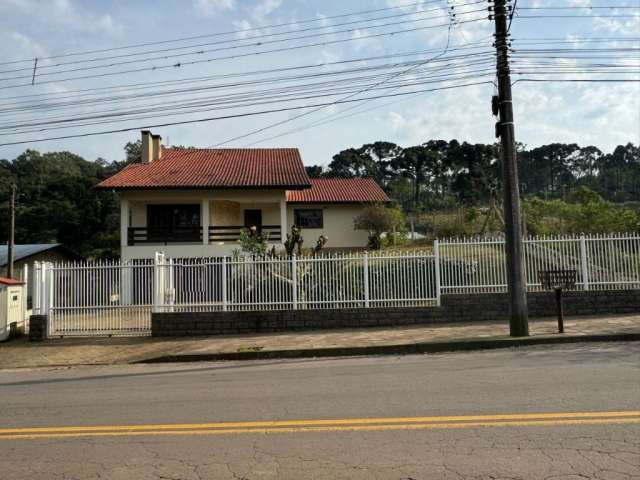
10	281
339	190
215	168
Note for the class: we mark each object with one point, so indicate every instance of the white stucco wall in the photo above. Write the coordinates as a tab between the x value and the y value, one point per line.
337	226
226	208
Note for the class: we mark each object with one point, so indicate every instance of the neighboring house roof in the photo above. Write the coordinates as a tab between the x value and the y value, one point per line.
215	168
22	252
339	190
10	281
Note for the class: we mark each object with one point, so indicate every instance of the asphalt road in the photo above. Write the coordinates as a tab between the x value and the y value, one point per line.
566	412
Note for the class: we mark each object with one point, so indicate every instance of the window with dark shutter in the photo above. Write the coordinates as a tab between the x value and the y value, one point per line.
308	218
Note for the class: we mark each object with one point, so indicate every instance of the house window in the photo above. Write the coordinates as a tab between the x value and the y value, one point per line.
308	218
173	215
174	219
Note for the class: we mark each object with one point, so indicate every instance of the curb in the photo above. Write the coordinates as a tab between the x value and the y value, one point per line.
401	349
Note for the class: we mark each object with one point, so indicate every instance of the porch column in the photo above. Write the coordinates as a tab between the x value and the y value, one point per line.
283	219
124	222
204	213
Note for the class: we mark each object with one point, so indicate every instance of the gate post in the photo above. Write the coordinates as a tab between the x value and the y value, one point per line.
294	281
224	284
25	294
37	288
158	282
365	260
583	261
126	282
436	261
170	293
49	296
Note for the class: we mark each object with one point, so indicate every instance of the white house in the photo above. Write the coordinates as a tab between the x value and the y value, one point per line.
195	202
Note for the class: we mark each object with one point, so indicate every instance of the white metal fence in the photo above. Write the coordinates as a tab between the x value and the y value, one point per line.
117	298
332	281
601	262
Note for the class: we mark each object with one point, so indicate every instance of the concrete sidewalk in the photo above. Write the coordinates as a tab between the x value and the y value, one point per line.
370	341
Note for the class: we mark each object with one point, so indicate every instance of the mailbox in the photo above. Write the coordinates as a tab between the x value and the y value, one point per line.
11	305
558	280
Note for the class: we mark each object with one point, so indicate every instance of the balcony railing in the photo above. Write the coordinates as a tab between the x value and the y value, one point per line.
232	233
166	236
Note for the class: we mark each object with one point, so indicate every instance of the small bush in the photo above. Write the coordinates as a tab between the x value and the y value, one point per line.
378	219
252	242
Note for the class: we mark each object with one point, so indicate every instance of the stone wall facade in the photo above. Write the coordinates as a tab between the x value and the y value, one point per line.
38	328
454	308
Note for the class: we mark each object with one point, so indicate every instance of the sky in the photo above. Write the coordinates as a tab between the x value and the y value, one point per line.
600	114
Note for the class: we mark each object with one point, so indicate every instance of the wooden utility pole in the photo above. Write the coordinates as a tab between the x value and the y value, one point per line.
12	227
518	324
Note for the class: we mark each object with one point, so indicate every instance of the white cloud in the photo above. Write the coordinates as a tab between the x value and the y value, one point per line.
20	45
600	22
265	8
245	29
629	26
210	7
323	22
65	13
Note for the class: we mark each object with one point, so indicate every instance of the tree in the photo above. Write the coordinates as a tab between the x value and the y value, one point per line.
619	174
57	202
548	169
314	171
376	220
133	152
370	160
416	164
584	212
476	175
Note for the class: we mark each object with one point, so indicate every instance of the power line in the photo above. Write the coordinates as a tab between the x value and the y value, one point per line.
238	115
147	94
230	41
225	105
241	55
273	125
233	47
145	85
577	80
229	32
586	7
577	16
180	96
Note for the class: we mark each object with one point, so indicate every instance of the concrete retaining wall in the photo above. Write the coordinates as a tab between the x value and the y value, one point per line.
455	308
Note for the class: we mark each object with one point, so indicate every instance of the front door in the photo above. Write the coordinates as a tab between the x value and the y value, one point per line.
253	218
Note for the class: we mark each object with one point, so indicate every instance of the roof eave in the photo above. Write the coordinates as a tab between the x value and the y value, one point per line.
204	187
335	202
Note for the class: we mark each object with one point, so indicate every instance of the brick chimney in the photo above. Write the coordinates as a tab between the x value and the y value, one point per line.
156	143
151	146
147	148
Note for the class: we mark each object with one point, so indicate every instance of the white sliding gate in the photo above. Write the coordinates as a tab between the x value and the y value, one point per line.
95	298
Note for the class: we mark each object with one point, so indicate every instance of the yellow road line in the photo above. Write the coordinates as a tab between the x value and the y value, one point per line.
349	421
328	428
326	425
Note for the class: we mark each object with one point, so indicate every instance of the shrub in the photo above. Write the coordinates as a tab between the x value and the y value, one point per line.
252	242
378	219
